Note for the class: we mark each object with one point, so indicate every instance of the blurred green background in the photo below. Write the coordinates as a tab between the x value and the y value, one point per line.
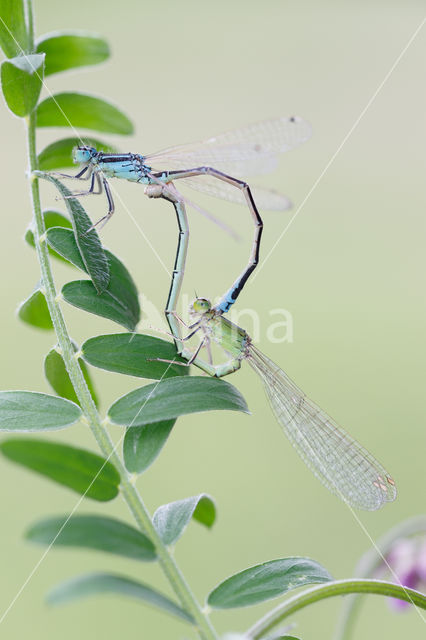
350	270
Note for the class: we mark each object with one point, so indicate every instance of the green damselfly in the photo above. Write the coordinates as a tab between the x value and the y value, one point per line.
337	460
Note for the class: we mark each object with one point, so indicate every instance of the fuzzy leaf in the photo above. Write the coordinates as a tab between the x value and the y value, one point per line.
94	584
58	155
88	243
34	311
32	411
82	294
175	397
119	302
171	519
93	532
66	50
70	109
265	581
13	31
133	355
142	445
51	219
59	380
82	471
21	80
62	241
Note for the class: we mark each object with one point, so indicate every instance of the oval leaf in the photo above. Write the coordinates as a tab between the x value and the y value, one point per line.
119	302
133	355
89	245
33	411
82	110
94	584
21	80
51	219
65	246
93	532
13	31
82	294
171	519
68	50
58	378
82	471
143	444
34	311
58	155
265	581
175	397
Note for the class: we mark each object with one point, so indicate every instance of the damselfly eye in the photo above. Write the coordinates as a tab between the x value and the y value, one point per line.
83	154
201	305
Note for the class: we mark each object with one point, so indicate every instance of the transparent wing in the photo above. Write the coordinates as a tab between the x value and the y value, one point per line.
242	152
341	463
264	198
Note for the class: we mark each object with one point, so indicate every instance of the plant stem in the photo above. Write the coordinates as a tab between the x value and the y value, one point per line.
130	493
30	25
328	590
371	562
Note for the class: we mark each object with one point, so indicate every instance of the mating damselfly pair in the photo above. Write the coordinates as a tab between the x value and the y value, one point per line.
216	167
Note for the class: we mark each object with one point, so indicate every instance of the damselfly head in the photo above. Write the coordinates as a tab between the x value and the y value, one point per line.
200	306
83	154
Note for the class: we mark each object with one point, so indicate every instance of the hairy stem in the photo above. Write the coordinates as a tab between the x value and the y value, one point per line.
328	590
370	563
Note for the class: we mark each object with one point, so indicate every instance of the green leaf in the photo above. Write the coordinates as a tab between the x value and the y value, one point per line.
34	311
120	300
58	155
93	532
21	80
89	245
265	581
70	109
62	241
133	355
175	397
51	219
143	444
82	294
94	584
33	411
58	378
82	471
171	519
205	511
13	30
66	50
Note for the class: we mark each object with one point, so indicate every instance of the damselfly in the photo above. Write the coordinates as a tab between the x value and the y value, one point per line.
338	461
214	166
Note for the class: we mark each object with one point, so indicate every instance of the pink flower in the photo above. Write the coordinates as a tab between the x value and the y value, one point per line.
407	559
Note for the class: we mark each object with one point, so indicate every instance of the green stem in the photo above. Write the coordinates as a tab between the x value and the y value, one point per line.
130	493
30	25
329	590
369	564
